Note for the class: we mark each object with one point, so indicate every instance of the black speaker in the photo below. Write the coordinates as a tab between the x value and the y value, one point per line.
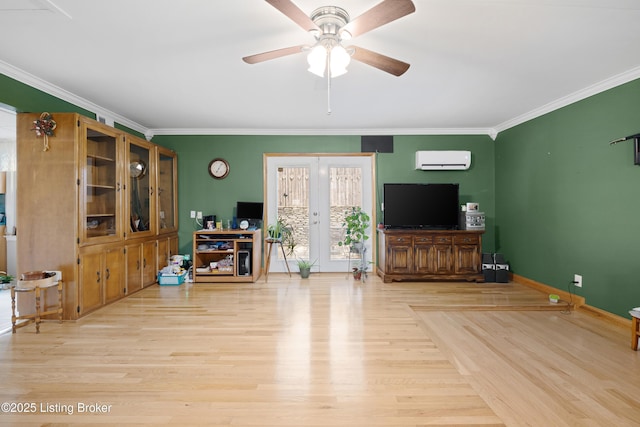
488	268
376	144
244	263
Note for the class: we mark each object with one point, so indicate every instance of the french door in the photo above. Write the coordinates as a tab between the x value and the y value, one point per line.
311	195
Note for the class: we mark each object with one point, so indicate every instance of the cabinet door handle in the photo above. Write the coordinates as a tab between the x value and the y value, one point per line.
144	263
151	191
98	278
108	274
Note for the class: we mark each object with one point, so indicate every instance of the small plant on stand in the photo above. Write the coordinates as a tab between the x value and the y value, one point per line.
356	222
281	232
5	280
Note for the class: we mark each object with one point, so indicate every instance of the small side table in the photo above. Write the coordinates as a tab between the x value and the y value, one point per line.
23	286
270	242
635	328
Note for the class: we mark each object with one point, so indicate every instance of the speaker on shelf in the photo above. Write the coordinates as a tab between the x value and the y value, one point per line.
244	263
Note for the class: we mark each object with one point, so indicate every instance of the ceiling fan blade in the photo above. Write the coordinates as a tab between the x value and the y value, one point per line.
379	15
294	13
377	60
273	54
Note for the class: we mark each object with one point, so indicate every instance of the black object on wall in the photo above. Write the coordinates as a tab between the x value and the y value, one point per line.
376	144
636	146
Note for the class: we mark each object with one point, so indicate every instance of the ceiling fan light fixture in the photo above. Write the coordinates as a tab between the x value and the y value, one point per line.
317	60
339	59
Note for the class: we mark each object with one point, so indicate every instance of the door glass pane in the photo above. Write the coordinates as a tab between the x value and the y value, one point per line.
139	188
293	209
165	193
345	185
101	184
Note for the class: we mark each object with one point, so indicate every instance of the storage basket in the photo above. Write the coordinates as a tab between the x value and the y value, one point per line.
172	279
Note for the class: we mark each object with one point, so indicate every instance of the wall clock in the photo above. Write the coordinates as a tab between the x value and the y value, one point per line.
218	168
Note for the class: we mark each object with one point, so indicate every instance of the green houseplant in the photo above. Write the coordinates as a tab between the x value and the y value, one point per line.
305	267
281	232
356	222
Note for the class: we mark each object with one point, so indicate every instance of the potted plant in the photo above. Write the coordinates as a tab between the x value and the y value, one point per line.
274	231
5	279
281	232
305	267
356	222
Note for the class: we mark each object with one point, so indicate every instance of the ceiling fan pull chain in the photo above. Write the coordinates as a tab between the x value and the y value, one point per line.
329	84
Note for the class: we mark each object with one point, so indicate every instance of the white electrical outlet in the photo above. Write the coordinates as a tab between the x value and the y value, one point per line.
193	214
199	215
577	280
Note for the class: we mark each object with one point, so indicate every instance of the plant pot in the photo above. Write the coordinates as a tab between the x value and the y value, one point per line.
356	247
357	274
304	272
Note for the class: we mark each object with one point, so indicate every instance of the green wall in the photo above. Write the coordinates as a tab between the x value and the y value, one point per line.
567	202
198	191
23	98
558	198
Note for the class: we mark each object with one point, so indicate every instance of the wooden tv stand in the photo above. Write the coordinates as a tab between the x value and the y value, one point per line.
429	255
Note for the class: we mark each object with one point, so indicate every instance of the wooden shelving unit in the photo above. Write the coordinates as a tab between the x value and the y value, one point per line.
77	205
227	256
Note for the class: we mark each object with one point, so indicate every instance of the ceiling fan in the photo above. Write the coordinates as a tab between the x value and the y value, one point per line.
330	26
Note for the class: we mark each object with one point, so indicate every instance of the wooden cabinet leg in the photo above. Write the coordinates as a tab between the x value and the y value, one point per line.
635	332
60	301
13	310
37	310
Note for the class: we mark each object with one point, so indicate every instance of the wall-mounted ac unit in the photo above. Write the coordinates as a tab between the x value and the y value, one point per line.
443	160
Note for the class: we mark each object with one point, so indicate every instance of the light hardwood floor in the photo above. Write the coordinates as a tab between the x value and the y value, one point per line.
326	351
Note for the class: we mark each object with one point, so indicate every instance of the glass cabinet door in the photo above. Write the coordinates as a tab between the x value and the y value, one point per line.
140	189
100	183
167	189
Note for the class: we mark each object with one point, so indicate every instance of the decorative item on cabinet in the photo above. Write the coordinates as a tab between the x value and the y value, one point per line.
44	127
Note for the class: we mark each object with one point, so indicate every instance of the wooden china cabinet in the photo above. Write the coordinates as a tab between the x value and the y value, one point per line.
100	205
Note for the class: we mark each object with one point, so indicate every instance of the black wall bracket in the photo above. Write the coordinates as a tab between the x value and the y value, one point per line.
636	146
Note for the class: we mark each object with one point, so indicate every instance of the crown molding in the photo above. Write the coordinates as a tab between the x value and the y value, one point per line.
426	131
51	89
594	89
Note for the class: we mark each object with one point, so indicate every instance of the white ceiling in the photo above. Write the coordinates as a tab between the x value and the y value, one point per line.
477	66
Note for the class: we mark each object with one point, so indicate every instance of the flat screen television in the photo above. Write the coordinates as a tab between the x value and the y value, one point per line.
249	210
421	206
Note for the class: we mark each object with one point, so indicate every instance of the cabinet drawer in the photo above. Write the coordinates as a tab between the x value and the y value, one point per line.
423	240
442	240
469	239
399	240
